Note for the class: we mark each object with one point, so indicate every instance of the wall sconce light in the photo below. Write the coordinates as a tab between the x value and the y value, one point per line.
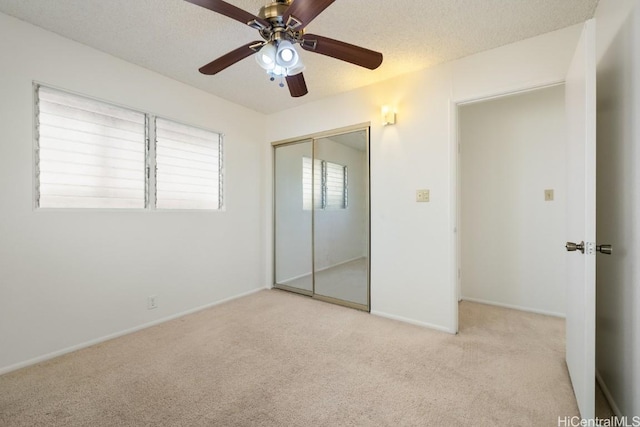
388	116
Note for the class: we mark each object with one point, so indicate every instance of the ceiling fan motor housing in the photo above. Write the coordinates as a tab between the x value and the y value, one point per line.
274	12
279	30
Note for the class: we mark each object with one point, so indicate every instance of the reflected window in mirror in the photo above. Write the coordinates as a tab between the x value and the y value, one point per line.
334	186
324	182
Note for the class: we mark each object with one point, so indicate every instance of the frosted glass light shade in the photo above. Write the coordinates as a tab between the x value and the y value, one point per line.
296	69
388	116
287	56
266	57
278	71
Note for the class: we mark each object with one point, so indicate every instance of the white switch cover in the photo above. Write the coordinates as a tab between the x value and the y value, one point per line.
422	195
548	195
152	302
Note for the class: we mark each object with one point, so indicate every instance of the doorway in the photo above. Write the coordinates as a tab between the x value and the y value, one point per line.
321	216
511	201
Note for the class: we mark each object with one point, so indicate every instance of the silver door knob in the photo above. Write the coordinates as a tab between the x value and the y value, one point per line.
572	247
604	249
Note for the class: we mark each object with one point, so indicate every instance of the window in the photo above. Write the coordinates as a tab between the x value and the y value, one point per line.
335	186
188	167
329	184
91	154
307	183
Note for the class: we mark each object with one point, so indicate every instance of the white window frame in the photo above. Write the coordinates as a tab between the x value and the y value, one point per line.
220	167
87	153
150	164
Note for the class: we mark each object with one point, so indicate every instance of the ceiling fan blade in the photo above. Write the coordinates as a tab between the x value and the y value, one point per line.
229	59
230	11
304	11
340	50
297	85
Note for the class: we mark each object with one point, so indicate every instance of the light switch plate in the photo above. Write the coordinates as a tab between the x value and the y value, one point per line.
422	195
548	195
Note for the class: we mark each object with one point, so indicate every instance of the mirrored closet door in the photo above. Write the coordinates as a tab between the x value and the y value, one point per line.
293	216
322	217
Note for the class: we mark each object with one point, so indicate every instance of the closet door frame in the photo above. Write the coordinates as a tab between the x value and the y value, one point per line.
365	127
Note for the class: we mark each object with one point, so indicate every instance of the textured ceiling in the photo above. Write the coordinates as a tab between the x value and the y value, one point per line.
175	38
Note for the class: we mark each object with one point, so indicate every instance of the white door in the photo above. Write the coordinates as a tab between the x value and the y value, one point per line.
581	202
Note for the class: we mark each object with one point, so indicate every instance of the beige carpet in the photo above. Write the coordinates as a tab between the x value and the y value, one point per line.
347	282
280	359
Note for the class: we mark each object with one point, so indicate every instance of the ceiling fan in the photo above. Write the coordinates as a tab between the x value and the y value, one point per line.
281	25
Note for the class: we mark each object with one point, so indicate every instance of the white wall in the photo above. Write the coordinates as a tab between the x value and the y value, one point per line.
67	278
413	251
511	149
618	202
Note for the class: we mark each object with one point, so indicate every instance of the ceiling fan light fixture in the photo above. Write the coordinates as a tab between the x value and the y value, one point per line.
296	69
266	57
281	25
286	56
278	71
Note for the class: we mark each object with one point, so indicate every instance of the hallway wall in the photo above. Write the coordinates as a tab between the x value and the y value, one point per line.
512	149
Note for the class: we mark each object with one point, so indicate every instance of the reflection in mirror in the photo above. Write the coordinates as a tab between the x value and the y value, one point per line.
293	259
341	217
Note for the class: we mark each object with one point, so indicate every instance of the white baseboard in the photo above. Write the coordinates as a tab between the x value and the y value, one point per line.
607	395
514	307
48	356
291	279
413	322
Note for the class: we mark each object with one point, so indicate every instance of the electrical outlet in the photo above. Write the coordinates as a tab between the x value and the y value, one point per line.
422	195
548	195
152	302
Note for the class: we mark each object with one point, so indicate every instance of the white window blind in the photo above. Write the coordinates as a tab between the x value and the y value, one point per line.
89	154
329	184
308	182
188	167
335	186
